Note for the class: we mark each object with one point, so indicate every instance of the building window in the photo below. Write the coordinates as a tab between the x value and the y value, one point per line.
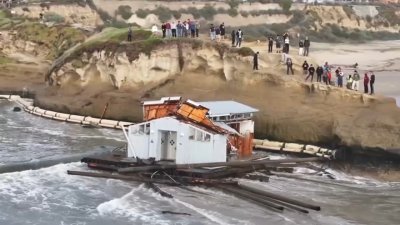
144	128
198	135
207	137
192	133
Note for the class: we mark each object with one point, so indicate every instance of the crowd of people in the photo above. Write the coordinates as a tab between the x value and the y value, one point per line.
186	28
324	75
190	28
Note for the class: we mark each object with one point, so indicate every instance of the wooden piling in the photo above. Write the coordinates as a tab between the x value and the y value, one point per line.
280	198
230	164
250	197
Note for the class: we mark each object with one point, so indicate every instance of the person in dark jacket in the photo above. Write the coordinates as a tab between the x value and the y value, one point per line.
222	30
306	46
270	44
255	61
130	34
311	71
366	82
164	29
278	44
372	82
319	71
305	67
233	37
239	37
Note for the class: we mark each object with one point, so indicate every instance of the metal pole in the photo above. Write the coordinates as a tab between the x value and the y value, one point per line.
129	142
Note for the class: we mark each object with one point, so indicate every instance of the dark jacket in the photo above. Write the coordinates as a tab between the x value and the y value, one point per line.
255	58
222	29
311	70
372	79
305	66
301	44
320	70
307	43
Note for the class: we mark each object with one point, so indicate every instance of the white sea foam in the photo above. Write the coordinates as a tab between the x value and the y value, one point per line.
211	215
133	207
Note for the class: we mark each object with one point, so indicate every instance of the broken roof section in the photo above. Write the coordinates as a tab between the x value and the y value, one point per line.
189	110
166	106
225	108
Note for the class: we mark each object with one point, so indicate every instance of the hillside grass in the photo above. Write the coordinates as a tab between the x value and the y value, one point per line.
57	38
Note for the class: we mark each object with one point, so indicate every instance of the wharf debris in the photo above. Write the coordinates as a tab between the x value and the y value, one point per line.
221	176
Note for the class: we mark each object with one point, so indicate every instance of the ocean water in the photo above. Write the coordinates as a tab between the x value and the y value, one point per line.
49	196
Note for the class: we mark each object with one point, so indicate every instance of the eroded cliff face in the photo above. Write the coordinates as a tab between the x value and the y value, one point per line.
290	110
10	45
165	63
82	16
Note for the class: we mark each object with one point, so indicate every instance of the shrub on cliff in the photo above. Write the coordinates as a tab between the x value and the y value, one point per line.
164	14
208	12
125	11
142	13
232	12
244	13
53	17
243	51
285	4
233	3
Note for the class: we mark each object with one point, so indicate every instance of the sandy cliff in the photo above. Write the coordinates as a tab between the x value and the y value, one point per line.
290	110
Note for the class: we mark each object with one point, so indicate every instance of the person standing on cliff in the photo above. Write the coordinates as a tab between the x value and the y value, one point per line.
233	38
311	71
212	32
270	44
278	44
340	79
366	83
287	44
306	46
217	34
192	29
239	37
372	82
305	67
255	61
222	31
289	65
356	80
301	47
173	29
169	32
319	71
197	28
179	29
130	34
164	30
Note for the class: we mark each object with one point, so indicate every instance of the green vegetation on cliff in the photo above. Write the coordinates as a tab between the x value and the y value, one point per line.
57	38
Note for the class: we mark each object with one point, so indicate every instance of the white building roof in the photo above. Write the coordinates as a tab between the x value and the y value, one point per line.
222	108
162	100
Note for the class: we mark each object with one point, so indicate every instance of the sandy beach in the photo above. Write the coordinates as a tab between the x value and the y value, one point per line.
382	57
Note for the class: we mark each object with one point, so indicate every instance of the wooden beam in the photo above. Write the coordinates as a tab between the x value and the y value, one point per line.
246	163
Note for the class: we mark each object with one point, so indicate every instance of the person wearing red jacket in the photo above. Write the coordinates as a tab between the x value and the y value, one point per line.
366	82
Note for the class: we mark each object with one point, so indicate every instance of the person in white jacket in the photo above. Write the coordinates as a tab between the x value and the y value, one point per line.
173	29
356	81
154	29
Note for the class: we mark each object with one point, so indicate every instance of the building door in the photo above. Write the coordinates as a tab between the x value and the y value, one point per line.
168	145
